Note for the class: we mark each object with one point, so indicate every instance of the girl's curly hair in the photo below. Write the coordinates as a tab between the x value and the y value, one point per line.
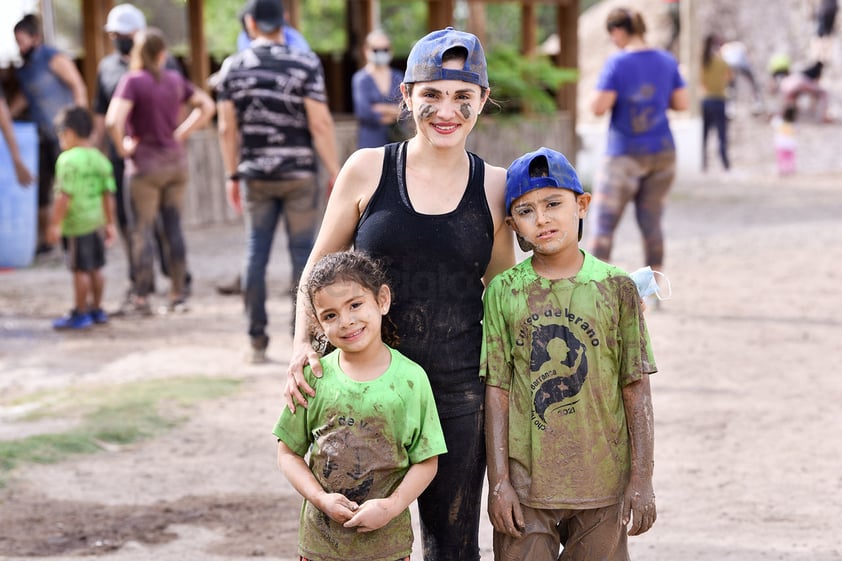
354	266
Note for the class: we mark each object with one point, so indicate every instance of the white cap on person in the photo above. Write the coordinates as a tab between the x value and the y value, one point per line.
125	19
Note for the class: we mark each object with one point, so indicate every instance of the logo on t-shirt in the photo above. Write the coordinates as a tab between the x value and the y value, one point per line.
549	389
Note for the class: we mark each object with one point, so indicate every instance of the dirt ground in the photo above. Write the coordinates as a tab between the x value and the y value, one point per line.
746	401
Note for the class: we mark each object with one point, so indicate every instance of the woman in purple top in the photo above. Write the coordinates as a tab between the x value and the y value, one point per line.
638	85
143	121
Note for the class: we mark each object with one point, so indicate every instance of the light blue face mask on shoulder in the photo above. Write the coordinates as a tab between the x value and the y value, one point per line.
647	283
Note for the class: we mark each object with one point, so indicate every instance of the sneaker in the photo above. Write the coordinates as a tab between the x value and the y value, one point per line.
99	316
73	320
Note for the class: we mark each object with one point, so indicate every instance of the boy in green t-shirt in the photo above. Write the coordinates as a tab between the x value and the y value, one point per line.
83	205
566	360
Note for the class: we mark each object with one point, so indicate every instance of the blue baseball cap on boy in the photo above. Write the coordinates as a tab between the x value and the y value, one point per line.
519	181
521	178
424	62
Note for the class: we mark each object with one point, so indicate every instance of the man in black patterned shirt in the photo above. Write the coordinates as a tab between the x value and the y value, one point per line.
273	120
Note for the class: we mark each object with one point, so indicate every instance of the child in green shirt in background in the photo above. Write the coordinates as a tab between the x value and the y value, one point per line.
84	203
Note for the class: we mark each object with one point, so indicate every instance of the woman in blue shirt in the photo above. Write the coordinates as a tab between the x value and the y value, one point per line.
376	91
638	84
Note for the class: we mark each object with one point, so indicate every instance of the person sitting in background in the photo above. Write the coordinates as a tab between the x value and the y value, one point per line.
806	83
376	91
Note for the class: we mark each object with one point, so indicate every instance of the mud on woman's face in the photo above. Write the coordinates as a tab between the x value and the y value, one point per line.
456	99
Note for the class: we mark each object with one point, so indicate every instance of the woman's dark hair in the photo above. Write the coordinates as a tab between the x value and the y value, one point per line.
148	46
712	43
631	21
29	24
77	119
353	266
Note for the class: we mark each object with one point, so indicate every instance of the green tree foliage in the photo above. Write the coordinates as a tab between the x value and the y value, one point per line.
521	83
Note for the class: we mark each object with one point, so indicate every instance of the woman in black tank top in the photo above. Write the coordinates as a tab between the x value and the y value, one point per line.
433	213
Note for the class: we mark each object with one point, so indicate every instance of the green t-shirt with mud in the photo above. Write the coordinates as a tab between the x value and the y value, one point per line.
564	349
86	176
362	438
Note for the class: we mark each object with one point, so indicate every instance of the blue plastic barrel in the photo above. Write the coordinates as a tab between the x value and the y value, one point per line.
18	203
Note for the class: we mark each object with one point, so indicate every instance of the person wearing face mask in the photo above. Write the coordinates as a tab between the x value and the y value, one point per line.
49	81
124	21
376	92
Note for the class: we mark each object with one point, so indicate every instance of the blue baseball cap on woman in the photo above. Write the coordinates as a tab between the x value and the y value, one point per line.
424	62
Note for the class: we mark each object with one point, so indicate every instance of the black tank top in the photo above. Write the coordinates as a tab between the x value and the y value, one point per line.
435	265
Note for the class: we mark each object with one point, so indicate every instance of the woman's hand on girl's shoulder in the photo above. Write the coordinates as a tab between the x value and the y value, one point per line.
296	385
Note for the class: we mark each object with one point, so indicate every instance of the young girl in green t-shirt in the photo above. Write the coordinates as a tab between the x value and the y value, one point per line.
372	430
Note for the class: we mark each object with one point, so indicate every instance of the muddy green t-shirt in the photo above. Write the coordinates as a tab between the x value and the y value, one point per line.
362	438
86	176
564	349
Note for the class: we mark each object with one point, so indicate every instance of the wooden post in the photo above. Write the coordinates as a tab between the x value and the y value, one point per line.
94	40
199	60
568	56
527	29
439	14
690	53
476	20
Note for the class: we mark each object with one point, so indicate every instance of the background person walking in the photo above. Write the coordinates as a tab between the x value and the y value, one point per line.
269	144
637	85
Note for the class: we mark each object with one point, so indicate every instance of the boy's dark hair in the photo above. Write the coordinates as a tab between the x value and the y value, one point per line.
354	266
77	119
539	167
29	24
